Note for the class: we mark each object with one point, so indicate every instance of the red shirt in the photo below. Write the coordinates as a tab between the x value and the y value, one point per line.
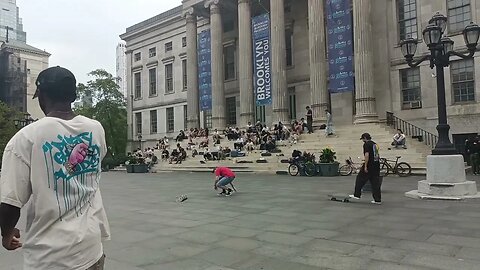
224	171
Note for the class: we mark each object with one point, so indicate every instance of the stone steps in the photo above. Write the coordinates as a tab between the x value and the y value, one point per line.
346	143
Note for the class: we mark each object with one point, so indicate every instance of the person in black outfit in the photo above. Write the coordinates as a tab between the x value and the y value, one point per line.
309	116
370	170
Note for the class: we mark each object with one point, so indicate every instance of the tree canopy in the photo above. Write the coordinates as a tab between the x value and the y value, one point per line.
101	100
7	126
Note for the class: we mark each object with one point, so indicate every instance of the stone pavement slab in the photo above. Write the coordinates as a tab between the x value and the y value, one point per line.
278	223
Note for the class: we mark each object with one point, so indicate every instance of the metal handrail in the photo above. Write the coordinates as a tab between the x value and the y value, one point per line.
412	130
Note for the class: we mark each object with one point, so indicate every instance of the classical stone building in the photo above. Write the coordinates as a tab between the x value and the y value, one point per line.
163	74
36	61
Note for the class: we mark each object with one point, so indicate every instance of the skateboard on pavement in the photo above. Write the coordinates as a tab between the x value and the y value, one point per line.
340	197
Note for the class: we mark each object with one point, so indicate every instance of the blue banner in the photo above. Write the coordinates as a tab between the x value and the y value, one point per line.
261	60
205	70
340	46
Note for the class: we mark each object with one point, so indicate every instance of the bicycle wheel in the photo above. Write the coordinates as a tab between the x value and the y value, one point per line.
309	169
404	169
345	170
384	169
293	169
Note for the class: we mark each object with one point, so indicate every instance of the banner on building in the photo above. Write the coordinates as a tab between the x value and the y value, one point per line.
261	60
205	70
340	46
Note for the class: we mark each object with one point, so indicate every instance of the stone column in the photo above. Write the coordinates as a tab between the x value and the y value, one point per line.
193	112
247	109
130	90
279	62
366	111
318	61
218	92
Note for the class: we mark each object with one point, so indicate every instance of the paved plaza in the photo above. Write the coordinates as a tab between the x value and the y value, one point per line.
279	223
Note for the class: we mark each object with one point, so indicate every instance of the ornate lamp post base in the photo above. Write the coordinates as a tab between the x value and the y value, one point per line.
446	180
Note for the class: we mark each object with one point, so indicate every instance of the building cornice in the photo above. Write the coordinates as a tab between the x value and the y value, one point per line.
158	104
24	50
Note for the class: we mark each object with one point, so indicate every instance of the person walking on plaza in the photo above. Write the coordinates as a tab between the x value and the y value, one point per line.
309	116
370	170
329	127
223	177
475	156
54	164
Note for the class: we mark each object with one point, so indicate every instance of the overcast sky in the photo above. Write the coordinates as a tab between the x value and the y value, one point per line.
82	35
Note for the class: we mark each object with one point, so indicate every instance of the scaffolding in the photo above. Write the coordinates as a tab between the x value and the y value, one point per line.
13	79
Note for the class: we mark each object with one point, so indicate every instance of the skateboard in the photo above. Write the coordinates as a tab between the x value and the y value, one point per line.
340	198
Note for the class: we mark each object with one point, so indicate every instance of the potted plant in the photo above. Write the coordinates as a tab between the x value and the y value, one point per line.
327	165
130	163
140	167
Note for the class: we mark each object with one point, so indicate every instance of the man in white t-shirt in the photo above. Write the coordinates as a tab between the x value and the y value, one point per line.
55	163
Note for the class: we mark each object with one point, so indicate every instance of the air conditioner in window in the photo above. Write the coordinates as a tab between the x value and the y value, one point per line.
415	104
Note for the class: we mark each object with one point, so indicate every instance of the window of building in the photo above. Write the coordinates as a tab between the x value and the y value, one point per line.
207	119
170	120
153	122
288	6
152	52
459	15
292	101
138	57
229	62
152	77
138	84
184	73
260	114
289	47
463	81
184	42
231	106
168	46
169	78
410	87
407	18
228	26
185	119
138	122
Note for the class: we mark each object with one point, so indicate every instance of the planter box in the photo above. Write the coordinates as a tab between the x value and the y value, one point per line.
129	168
328	169
140	168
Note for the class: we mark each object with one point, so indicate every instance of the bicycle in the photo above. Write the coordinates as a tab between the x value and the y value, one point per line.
297	165
402	169
350	167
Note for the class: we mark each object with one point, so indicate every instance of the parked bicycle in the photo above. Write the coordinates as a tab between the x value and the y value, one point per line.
402	169
296	166
350	167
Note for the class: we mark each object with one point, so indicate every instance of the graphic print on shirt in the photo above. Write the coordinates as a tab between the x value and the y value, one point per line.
376	152
73	169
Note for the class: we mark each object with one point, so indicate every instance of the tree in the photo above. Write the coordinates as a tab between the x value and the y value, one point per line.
101	100
7	126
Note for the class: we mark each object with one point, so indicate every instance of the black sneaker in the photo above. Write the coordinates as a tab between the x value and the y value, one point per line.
222	193
229	193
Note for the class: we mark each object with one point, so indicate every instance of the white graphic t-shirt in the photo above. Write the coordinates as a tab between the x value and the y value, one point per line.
56	164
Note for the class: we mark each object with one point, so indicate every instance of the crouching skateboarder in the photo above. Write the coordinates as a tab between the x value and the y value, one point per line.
223	177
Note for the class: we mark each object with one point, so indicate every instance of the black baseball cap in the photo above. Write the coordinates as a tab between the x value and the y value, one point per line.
366	136
59	83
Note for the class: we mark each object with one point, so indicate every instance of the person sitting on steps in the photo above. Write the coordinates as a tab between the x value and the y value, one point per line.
399	140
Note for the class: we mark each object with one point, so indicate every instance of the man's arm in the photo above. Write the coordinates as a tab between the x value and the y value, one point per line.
367	155
217	178
9	216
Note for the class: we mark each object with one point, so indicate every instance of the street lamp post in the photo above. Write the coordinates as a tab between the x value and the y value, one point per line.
21	123
139	136
445	168
441	48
